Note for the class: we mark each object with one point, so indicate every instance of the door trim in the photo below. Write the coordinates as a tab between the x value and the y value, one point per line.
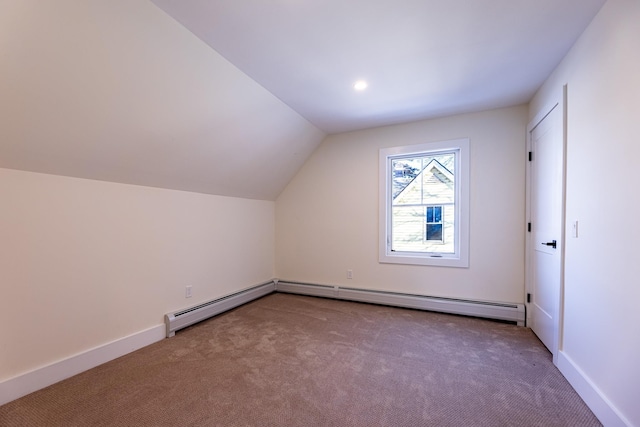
559	312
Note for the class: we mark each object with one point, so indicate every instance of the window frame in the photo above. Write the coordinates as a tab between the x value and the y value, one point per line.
460	257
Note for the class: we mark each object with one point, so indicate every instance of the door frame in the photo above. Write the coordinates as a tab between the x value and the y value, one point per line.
559	306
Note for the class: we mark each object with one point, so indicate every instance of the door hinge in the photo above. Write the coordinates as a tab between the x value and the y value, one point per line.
530	155
529	227
528	298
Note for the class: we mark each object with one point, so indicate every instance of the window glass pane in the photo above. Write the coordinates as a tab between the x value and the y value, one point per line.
430	214
419	182
437	214
434	231
408	228
404	171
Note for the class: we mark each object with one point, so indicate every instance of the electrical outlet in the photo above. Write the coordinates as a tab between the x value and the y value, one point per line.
349	274
187	292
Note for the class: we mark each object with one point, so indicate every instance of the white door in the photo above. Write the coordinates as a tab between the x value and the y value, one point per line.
546	216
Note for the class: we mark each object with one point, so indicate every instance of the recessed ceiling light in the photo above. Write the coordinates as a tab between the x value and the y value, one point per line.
360	85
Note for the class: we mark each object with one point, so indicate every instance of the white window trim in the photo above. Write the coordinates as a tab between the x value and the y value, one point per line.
461	257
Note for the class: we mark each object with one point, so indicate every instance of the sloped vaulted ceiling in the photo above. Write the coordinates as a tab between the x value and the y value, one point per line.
119	91
149	91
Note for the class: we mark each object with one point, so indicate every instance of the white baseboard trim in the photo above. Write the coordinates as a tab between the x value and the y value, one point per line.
189	316
39	378
511	312
602	407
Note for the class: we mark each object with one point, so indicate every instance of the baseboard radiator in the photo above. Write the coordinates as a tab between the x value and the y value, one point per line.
514	313
187	317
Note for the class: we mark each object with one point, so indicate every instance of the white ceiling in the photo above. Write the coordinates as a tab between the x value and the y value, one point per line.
421	58
117	90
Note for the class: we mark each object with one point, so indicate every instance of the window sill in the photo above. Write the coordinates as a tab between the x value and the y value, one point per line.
437	261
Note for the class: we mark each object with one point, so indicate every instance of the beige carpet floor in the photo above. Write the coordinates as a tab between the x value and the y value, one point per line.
288	360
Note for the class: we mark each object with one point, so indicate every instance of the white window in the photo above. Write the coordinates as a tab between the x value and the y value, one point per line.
424	204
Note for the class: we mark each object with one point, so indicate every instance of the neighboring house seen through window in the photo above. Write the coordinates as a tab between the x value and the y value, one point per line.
424	204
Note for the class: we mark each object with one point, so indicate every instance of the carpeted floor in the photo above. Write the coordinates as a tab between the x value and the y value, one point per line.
288	360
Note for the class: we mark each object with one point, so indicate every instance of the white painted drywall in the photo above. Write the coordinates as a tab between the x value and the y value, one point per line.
84	263
327	217
602	272
116	90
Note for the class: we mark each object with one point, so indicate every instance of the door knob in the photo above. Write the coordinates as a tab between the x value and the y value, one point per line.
551	243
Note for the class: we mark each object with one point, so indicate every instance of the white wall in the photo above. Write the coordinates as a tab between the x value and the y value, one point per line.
602	273
327	217
83	263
